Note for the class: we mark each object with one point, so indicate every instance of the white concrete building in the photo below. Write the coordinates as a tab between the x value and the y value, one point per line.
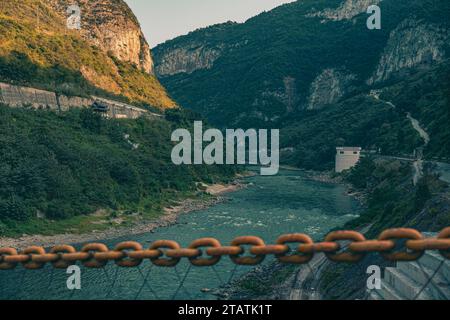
347	158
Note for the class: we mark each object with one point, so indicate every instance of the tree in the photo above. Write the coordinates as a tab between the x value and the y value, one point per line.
91	120
423	194
14	209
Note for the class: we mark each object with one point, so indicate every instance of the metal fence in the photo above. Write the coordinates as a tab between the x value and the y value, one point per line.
167	271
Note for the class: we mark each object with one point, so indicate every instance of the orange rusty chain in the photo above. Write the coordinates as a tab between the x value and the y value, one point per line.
393	245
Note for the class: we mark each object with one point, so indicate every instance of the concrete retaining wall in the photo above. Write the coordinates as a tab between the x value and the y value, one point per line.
65	103
17	96
118	110
425	279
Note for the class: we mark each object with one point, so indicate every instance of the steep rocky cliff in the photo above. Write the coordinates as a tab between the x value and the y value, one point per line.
328	88
187	60
108	55
112	26
308	67
412	44
347	10
177	57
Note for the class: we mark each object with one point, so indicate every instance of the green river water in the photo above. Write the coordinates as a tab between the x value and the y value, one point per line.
270	206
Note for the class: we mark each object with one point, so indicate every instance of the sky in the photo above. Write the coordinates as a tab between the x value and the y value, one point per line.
162	20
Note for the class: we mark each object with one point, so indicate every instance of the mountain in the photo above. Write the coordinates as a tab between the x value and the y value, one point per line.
309	67
112	26
58	168
108	55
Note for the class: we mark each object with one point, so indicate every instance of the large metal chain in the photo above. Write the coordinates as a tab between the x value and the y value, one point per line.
393	244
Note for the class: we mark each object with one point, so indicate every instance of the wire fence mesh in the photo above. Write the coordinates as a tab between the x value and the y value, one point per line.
186	282
112	282
197	271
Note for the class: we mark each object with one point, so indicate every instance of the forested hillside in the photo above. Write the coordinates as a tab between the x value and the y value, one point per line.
59	166
309	67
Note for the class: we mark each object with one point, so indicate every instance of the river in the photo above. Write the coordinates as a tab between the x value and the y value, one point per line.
270	206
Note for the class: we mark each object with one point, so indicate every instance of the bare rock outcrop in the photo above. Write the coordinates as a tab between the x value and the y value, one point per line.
346	11
188	59
328	88
111	26
413	44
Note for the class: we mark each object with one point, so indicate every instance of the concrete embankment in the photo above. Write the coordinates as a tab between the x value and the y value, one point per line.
18	96
167	218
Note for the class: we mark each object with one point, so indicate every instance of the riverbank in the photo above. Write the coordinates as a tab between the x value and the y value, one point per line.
268	207
333	178
215	194
277	281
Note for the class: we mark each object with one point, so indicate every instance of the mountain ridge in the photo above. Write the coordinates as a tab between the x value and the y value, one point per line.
112	26
264	39
285	67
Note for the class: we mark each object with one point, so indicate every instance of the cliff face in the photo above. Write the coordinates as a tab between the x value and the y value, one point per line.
346	11
187	60
112	26
413	44
196	53
328	88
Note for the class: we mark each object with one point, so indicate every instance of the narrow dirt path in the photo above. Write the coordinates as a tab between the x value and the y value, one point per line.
416	125
418	164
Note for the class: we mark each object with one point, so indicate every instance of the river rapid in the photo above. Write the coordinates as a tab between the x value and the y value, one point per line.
270	206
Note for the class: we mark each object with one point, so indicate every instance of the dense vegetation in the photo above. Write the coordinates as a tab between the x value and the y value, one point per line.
42	53
426	95
373	124
369	123
393	200
246	85
63	165
243	86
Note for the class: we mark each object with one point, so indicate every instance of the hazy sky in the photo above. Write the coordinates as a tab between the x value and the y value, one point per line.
162	20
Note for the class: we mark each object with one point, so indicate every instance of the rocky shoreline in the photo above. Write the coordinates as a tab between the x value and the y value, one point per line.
169	218
330	177
296	285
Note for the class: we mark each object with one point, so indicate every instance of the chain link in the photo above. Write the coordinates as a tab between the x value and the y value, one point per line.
393	245
397	235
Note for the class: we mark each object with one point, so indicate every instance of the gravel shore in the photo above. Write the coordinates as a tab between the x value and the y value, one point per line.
169	217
